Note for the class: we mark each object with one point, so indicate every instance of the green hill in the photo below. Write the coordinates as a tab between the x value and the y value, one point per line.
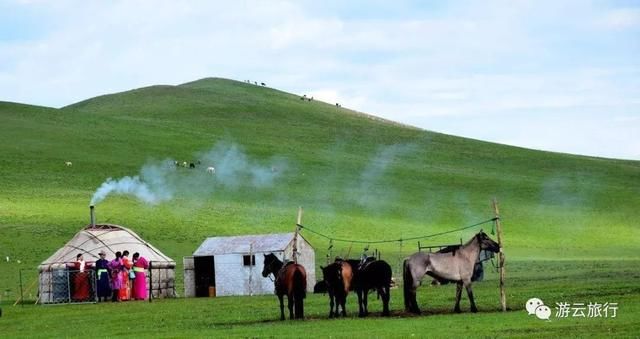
357	176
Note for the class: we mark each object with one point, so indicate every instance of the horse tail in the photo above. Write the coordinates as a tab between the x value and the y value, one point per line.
299	292
386	278
407	282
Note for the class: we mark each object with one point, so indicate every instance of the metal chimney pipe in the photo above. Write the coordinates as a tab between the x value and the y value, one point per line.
93	216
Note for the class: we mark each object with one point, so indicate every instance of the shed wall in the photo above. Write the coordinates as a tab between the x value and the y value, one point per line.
233	278
189	277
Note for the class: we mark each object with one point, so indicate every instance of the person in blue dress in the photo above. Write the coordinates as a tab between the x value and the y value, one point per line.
102	275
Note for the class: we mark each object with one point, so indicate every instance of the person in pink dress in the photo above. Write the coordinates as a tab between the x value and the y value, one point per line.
125	292
115	266
140	264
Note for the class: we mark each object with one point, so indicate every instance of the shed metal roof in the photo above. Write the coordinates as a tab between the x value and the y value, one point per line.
243	244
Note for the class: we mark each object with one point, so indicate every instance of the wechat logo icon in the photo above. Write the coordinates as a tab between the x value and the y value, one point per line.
537	307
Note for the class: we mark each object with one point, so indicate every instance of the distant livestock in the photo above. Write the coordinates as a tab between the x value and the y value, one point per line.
184	164
211	170
263	84
192	165
68	163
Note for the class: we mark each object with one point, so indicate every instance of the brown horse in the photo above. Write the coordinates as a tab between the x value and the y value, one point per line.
291	280
337	277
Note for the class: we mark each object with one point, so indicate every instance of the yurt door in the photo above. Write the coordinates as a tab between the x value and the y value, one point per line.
205	276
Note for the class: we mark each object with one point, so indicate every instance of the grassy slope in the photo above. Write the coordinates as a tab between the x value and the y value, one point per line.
554	205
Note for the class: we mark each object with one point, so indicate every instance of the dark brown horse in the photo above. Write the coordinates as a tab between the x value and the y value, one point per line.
337	277
371	274
291	280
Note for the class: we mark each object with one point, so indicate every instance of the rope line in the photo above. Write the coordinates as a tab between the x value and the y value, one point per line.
395	240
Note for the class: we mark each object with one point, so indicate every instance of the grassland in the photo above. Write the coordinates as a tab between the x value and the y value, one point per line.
563	281
356	176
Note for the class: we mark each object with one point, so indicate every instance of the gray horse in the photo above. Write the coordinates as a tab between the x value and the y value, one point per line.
456	266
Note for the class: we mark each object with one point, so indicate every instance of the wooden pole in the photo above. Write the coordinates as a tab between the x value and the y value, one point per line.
150	281
250	268
503	297
295	236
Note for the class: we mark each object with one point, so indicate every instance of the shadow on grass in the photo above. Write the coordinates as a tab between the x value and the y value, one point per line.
354	315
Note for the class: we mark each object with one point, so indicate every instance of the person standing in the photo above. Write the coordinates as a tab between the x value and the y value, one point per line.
102	274
140	264
80	279
115	266
125	291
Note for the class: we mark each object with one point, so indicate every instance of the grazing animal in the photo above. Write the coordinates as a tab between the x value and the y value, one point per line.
68	163
320	287
211	170
263	84
184	164
192	165
372	274
291	280
446	266
337	276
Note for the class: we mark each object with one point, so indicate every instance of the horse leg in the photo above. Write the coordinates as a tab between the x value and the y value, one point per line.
458	294
344	303
290	305
474	309
413	297
281	297
365	301
386	295
360	310
331	303
410	285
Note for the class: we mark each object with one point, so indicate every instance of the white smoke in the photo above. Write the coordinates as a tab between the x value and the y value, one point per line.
129	186
373	190
161	181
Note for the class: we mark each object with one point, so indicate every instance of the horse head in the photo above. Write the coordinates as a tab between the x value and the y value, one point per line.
332	273
487	243
271	263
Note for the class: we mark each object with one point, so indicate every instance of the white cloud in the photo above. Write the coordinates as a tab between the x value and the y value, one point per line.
622	18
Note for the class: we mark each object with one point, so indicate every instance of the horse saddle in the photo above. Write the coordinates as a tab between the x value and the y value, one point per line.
364	263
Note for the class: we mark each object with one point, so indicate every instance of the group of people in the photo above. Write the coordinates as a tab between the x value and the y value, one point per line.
119	279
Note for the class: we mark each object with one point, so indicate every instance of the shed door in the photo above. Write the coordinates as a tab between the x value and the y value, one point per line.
204	274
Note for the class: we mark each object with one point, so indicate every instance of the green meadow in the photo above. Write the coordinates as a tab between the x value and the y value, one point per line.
570	222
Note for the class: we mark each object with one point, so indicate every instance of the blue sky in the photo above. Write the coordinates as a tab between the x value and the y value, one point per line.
553	75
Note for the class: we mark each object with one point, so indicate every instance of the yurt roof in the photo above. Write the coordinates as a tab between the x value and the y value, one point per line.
110	239
261	243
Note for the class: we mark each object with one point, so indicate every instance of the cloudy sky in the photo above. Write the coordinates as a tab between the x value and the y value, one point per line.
552	75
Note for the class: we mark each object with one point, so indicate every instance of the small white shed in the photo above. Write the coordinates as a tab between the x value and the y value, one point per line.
224	266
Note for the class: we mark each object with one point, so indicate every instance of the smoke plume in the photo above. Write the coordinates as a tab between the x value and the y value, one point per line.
160	181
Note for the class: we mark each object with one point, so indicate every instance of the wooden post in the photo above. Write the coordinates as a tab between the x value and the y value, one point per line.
150	282
250	267
295	236
503	297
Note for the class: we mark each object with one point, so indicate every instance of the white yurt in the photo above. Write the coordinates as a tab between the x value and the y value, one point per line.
54	278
